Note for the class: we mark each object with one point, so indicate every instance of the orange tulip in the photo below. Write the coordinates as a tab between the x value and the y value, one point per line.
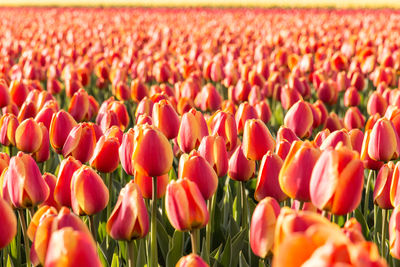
245	112
89	194
299	119
223	124
8	126
18	92
262	227
28	136
145	184
39	216
376	104
4	94
129	219
166	119
384	143
79	105
368	162
26	185
62	190
185	206
43	154
126	150
46	113
213	149
263	111
337	181
356	138
336	137
240	168
191	260
394	233
61	124
351	97
145	106
382	186
4	161
8	228
196	168
81	142
192	129
152	153
257	140
51	181
105	156
138	90
268	178
294	177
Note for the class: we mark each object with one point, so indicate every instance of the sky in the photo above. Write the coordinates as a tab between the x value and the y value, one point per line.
284	3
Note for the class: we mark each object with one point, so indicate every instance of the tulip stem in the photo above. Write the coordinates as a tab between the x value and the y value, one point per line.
26	241
109	185
301	205
92	228
153	259
383	241
131	253
193	237
367	189
211	204
244	205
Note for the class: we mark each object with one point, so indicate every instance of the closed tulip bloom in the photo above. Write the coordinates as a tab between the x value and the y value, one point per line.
185	206
89	194
166	119
351	97
28	136
129	219
105	156
138	90
61	124
46	113
81	142
333	122
79	105
356	138
295	176
28	110
126	150
282	148
39	215
191	131
384	142
8	226
382	186
240	168
337	181
394	233
324	112
145	184
245	112
4	94
191	260
285	133
353	119
208	98
335	138
43	154
71	248
152	153
51	181
368	162
289	96
114	132
262	227
145	106
257	139
62	190
299	119
213	149
4	161
26	186
321	137
376	104
8	126
327	93
196	168
223	124
18	92
268	178
263	111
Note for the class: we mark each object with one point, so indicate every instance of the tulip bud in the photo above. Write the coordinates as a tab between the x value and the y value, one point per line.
245	112
129	219
191	260
268	178
208	98
105	156
240	168
28	136
79	105
334	138
26	185
152	153
353	119
4	94
43	154
81	142
213	149
185	206
62	190
61	125
262	227
224	124
8	228
28	110
145	106
138	90
18	92
394	233
51	181
384	143
257	140
43	212
368	162
263	111
337	181
192	129
351	97
295	176
321	137
382	186
299	119
333	122
8	126
89	194
376	104
145	184
126	150
196	168
356	138
166	119
289	96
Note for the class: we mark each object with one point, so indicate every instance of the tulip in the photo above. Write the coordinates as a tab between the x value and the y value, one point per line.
185	206
129	219
46	113
384	143
71	248
26	185
191	260
268	178
245	112
61	125
145	106
138	90
4	161
8	224
263	111
353	119
368	162
43	212
356	138
89	195
299	119
208	98
324	112
289	96
8	126
336	137
262	227
51	181
126	150
28	110
213	149
351	97
240	168
18	92
28	136
257	140
282	149
321	137
327	93
285	133
394	233
145	184
43	154
166	119
105	156
62	190
333	122
79	105
223	124
294	177
80	142
376	104
192	129
337	181
196	168
382	188
4	94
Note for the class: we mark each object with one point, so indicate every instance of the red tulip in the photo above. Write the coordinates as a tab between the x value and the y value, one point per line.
257	140
383	184
81	142
213	149
79	105
299	119
384	143
145	184
28	136
192	129
240	168
166	119
8	224
245	112
105	156
61	125
62	190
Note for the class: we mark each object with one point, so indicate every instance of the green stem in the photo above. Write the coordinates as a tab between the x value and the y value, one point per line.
244	205
383	240
92	228
261	262
367	189
210	204
193	237
109	186
153	259
26	241
130	249
301	205
10	151
375	223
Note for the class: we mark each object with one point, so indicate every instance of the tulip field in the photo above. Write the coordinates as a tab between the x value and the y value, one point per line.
199	137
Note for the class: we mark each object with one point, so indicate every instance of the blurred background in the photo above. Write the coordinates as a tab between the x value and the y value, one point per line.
225	3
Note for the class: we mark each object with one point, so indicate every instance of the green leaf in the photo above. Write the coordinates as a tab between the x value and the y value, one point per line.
225	258
141	258
242	260
360	218
115	260
102	256
172	174
176	248
237	245
162	238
